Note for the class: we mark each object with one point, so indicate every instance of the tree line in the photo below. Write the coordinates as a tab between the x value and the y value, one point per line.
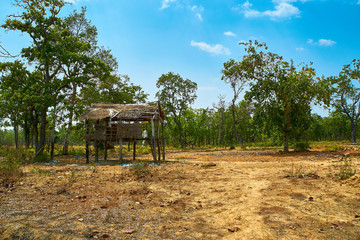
60	74
276	107
64	70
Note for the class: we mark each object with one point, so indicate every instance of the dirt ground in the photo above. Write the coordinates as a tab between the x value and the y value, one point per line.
196	194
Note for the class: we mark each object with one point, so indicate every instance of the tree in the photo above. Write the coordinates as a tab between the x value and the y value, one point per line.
337	126
176	95
282	94
239	74
347	94
4	53
115	89
82	65
14	86
220	106
40	20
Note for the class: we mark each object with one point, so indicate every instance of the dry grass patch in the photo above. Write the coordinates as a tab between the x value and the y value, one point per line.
221	190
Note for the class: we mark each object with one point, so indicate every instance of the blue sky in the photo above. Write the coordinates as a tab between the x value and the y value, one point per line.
195	37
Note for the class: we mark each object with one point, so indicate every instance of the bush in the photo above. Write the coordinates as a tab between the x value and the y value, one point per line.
334	148
346	170
232	147
42	158
143	150
298	171
77	151
10	166
301	146
141	170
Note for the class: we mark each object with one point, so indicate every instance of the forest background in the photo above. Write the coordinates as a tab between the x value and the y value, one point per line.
63	71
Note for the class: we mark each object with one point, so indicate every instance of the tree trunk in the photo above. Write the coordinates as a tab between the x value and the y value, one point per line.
287	127
65	150
16	135
42	137
35	129
53	134
71	116
238	139
286	141
353	131
27	134
222	129
178	123
87	143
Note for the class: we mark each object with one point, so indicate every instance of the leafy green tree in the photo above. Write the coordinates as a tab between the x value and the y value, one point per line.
239	74
282	94
347	94
317	130
220	107
14	86
337	126
115	89
235	74
175	96
41	22
197	126
83	64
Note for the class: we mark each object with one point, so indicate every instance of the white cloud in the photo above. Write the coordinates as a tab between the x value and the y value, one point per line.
198	11
217	49
246	4
300	49
74	1
326	42
166	4
321	42
284	9
310	41
229	34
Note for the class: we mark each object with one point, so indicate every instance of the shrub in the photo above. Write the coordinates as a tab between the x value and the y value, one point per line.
93	169
76	151
334	148
301	146
40	171
232	147
141	170
143	150
345	170
298	171
10	166
42	158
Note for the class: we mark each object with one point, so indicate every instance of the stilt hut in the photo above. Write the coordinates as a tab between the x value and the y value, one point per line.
119	123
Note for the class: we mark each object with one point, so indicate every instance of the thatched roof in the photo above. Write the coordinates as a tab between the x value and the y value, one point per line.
126	112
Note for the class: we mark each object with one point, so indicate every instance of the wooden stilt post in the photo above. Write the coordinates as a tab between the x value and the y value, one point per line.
120	150
96	151
153	139
97	142
163	139
134	153
87	141
158	141
105	151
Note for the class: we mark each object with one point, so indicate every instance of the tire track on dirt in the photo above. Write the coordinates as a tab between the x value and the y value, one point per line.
233	199
253	182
